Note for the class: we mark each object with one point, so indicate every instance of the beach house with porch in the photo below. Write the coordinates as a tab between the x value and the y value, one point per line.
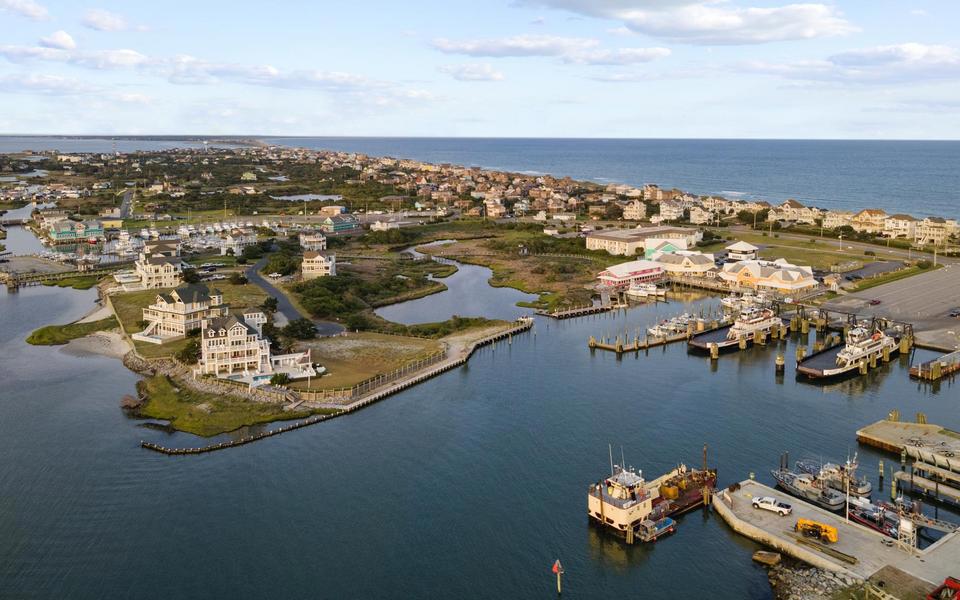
172	315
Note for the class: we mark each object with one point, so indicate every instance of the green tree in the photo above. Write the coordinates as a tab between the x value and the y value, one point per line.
269	305
300	329
238	278
190	353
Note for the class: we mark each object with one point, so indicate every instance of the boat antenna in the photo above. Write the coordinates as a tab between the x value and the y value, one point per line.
610	450
623	461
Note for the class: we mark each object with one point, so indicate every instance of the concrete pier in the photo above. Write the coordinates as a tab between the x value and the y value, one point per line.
862	551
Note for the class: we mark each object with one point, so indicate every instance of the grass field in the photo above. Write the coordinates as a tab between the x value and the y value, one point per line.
206	414
866	284
77	283
129	308
359	356
56	335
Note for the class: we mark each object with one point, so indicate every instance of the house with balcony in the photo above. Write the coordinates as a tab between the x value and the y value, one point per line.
900	226
935	231
833	219
869	220
311	240
318	264
172	315
158	266
635	211
701	216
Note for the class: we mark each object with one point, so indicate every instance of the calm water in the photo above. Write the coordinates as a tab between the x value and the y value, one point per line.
920	177
469	485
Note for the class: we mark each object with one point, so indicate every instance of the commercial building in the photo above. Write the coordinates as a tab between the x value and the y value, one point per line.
694	264
341	224
777	276
626	242
635	271
741	251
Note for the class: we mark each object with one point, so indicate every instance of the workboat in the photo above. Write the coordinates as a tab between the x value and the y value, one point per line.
750	322
807	487
882	518
640	510
673	326
737	303
838	476
645	290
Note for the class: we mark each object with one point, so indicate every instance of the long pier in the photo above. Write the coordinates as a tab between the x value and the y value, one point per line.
17	280
621	347
523	324
582	311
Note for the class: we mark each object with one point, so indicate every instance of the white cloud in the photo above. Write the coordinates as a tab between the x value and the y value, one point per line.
713	21
104	20
472	72
519	45
899	63
58	39
25	8
50	85
620	56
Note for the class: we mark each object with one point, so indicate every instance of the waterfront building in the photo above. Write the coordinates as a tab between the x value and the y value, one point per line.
636	271
777	276
234	344
314	241
233	347
741	251
685	262
66	230
318	264
384	225
900	226
173	315
792	210
869	220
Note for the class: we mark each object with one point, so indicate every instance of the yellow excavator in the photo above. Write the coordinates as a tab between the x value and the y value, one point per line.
817	530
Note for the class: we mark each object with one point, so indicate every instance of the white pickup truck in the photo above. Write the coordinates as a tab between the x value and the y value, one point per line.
773	505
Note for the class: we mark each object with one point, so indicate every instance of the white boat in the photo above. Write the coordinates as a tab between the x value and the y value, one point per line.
842	478
674	326
645	290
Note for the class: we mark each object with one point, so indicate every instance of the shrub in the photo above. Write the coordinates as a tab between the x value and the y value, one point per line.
280	379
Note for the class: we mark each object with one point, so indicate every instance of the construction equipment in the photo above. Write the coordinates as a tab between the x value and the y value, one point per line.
817	530
948	590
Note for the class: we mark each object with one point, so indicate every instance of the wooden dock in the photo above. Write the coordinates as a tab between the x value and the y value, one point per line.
521	325
935	369
582	311
620	346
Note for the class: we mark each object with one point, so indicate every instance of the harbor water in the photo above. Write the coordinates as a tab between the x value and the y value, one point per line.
469	485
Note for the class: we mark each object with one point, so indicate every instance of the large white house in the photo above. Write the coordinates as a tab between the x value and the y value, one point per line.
900	226
318	264
313	241
233	347
175	314
159	265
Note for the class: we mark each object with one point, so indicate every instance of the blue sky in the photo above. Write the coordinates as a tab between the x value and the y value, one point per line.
546	68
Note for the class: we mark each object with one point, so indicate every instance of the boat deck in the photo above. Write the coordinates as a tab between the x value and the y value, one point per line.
859	552
714	336
816	363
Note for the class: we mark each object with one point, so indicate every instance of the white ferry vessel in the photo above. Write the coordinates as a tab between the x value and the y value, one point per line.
748	324
861	346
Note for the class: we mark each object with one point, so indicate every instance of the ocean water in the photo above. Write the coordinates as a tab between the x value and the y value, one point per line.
921	177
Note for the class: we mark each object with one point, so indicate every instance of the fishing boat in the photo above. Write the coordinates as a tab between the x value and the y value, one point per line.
645	290
807	487
639	510
837	476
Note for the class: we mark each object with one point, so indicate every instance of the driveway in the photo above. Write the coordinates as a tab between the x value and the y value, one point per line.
284	306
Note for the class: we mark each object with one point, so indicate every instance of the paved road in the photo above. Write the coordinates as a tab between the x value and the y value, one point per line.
126	206
284	306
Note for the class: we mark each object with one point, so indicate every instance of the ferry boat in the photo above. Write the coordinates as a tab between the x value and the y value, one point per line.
750	321
807	487
838	476
640	510
645	290
861	346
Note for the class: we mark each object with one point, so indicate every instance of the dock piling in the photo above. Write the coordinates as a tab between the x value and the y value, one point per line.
780	366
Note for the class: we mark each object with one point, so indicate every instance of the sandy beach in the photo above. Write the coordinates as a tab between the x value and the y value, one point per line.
97	313
100	343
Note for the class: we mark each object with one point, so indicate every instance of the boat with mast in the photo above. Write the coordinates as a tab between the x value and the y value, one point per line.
842	478
807	487
640	510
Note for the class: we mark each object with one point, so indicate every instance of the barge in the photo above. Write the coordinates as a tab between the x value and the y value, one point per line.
631	507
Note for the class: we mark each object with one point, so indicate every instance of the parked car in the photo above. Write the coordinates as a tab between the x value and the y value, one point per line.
773	505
